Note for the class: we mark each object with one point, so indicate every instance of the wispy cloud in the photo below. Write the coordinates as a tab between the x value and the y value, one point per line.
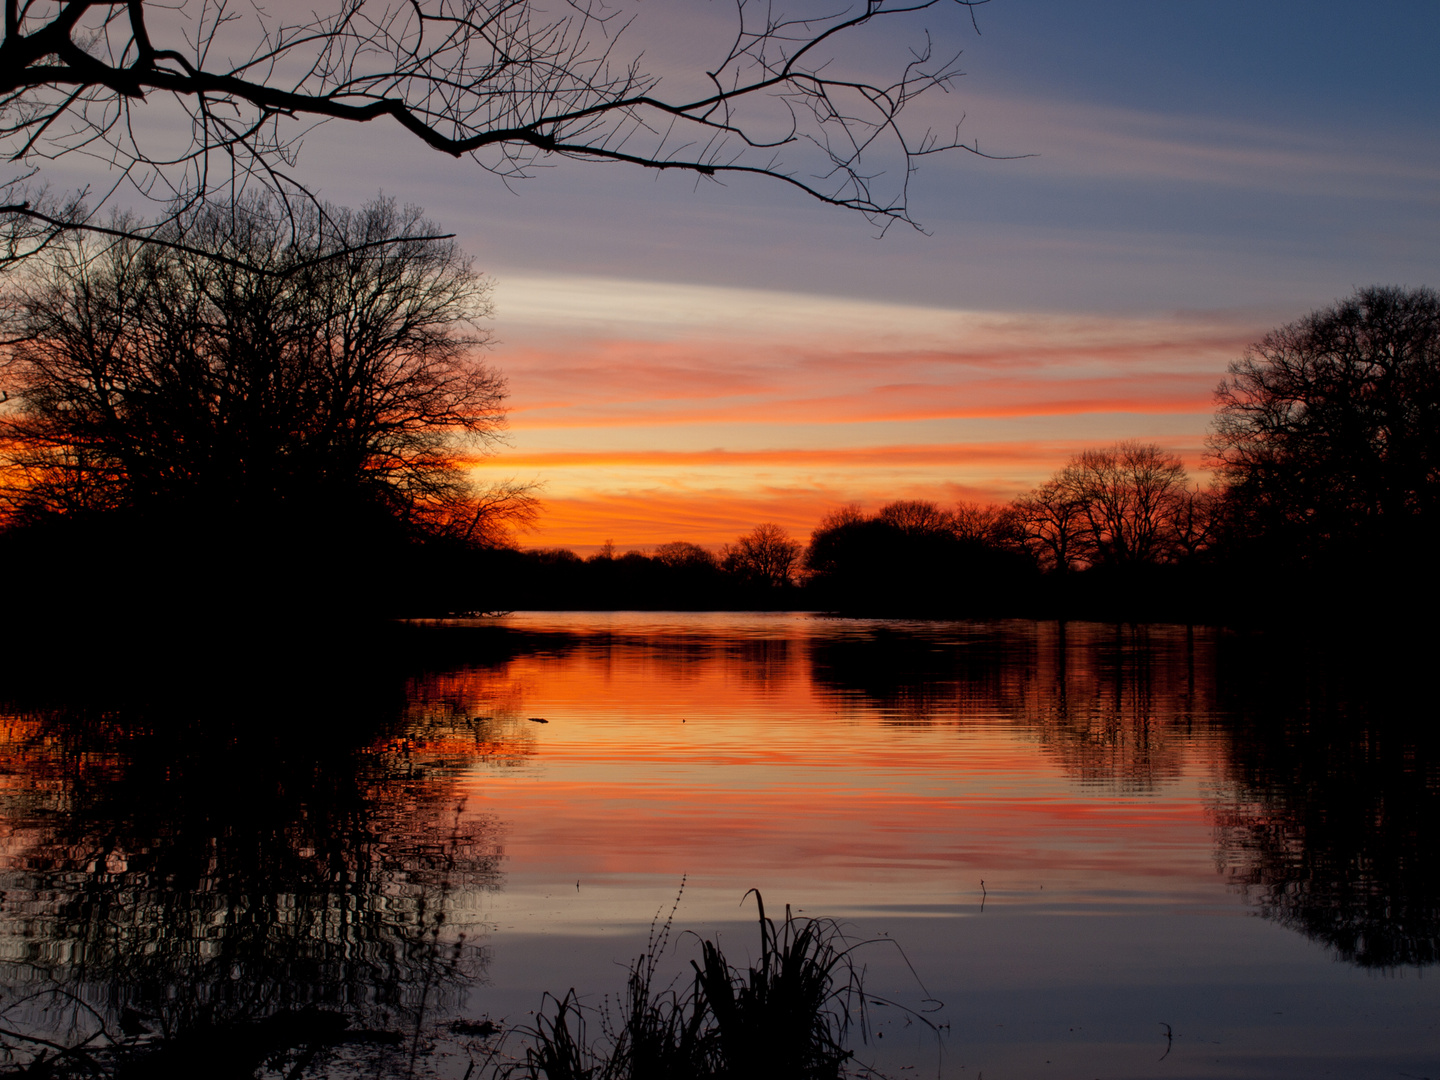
946	455
574	356
1076	138
548	307
658	411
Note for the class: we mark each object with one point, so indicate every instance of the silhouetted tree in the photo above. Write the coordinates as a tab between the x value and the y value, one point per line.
685	556
271	414
1195	521
1127	497
765	556
914	557
986	523
150	380
507	84
831	540
1124	506
916	517
1327	437
1053	524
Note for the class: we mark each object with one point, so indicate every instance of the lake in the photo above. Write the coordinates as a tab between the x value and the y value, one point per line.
1061	849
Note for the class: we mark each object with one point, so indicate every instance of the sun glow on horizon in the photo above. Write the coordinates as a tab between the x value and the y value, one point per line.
654	412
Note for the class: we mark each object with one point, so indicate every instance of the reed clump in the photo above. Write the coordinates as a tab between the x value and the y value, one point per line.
786	1017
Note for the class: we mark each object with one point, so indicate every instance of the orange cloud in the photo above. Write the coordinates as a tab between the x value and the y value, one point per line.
662	412
644	498
647	518
633	387
1006	454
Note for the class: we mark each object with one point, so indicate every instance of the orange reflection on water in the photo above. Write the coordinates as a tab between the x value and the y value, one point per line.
502	812
771	758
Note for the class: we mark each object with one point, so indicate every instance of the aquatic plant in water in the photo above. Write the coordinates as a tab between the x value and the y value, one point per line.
787	1017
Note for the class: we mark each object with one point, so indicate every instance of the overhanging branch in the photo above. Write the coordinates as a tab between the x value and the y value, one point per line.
497	80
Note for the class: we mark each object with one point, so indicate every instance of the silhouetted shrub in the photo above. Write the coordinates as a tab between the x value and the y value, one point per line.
786	1018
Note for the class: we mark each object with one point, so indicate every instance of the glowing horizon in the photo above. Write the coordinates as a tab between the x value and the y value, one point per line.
654	412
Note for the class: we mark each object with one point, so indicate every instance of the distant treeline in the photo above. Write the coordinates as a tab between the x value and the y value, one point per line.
1325	501
287	425
1135	539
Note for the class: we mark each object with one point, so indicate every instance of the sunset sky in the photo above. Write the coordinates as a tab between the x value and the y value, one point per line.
686	360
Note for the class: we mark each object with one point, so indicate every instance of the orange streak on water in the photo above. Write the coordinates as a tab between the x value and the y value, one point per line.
734	764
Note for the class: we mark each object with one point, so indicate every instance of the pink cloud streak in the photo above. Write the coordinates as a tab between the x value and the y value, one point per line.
597	410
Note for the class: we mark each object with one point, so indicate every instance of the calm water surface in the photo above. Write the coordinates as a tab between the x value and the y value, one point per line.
1119	852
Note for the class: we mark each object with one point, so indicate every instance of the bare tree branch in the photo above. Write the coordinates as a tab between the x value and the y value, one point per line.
50	226
503	82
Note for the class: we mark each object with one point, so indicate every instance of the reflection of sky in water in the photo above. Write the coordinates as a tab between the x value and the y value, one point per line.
726	761
1124	820
1080	783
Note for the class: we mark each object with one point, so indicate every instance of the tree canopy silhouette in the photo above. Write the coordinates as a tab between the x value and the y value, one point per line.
914	557
184	101
1328	431
315	383
144	378
1126	505
765	557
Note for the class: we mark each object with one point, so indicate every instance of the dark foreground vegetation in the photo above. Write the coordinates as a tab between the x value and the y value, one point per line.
287	424
789	1016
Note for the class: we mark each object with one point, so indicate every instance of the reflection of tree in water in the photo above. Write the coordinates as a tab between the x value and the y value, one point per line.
203	862
770	665
1125	705
1326	821
677	659
767	664
1116	705
948	674
1328	770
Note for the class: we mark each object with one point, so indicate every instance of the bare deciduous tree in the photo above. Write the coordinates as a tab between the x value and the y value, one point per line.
1195	520
1328	430
164	384
915	517
765	556
683	555
182	101
1126	505
1052	519
988	524
1126	494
